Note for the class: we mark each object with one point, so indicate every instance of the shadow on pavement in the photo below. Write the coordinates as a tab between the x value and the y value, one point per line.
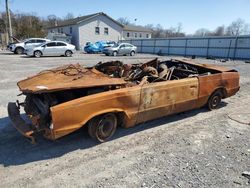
16	150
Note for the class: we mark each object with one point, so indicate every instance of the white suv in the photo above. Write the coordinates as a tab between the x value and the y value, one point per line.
18	48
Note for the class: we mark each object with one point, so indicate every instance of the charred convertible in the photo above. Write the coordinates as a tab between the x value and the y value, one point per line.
62	100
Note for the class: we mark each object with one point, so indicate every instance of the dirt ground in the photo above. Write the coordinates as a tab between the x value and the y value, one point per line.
199	148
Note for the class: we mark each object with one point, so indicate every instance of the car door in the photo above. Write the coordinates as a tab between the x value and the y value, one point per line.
49	49
61	48
122	49
168	97
128	48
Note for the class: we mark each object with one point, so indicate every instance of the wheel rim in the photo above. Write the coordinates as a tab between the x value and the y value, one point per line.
106	127
19	51
215	101
115	53
37	54
132	53
68	53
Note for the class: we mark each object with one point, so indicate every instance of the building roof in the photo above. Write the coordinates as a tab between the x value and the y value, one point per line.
136	28
77	20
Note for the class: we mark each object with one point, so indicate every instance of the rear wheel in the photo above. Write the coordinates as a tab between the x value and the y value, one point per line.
102	127
37	53
115	53
214	100
132	53
68	53
19	50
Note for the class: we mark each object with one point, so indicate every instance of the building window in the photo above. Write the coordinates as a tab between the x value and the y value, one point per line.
147	35
61	30
135	35
97	30
140	35
106	31
58	30
70	30
127	34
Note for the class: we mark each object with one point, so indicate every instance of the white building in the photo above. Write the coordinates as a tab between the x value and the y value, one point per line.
98	27
136	32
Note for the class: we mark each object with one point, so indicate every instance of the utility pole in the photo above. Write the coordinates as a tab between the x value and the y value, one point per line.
9	21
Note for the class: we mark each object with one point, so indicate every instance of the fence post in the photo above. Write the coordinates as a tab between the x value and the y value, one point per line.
168	45
141	45
185	54
154	46
208	45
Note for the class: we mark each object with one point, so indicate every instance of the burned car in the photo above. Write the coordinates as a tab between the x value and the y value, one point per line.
62	100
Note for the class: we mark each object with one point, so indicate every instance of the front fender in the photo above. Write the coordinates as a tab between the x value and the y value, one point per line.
70	116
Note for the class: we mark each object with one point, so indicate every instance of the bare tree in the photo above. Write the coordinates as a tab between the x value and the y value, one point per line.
219	31
52	20
179	28
69	16
237	27
158	31
124	21
202	32
149	26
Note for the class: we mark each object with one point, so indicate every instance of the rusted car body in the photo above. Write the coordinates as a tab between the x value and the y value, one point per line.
62	100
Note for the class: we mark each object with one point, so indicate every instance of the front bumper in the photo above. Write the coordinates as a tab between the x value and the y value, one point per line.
18	122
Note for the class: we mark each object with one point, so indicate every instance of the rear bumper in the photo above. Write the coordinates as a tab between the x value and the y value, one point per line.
18	122
232	92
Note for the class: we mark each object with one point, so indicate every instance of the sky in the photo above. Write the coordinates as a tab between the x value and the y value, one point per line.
192	14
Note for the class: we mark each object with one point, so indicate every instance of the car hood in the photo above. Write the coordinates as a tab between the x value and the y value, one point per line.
67	77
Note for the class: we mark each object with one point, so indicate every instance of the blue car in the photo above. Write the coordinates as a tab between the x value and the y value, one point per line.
97	47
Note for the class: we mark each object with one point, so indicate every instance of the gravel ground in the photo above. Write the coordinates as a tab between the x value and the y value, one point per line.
198	148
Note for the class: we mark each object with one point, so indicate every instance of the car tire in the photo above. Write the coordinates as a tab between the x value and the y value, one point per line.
115	53
68	53
37	53
132	53
214	100
102	127
19	50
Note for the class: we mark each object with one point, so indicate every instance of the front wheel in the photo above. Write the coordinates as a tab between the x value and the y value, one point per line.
102	127
115	53
37	54
68	53
214	100
19	50
132	53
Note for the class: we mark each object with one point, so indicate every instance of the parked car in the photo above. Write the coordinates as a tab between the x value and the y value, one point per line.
53	48
18	48
120	49
98	46
15	40
62	100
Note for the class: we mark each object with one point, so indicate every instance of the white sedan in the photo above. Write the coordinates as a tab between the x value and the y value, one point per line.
53	48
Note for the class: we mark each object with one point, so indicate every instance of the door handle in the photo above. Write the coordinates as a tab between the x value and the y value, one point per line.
193	86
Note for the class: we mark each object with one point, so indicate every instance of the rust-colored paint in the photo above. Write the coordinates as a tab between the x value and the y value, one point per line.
137	103
72	115
162	98
67	77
